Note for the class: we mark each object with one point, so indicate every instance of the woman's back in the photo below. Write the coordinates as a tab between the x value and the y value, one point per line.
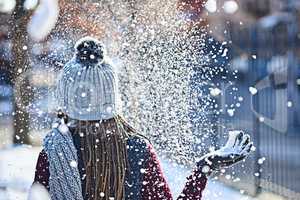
143	177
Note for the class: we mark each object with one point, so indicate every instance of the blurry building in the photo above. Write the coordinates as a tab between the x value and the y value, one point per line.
264	36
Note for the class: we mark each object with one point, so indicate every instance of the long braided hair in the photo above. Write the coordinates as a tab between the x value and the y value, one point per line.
104	153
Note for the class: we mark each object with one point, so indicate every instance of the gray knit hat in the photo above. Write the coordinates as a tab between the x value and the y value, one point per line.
87	86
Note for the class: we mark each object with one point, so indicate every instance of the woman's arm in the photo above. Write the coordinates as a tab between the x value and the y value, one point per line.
42	170
155	186
194	186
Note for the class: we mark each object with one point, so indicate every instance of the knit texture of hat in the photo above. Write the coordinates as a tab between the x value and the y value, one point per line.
87	86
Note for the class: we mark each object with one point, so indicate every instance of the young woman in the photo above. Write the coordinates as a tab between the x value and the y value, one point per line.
93	154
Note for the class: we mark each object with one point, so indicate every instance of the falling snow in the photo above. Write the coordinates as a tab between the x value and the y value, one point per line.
252	90
164	77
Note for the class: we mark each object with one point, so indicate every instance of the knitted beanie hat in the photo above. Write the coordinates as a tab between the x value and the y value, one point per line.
86	88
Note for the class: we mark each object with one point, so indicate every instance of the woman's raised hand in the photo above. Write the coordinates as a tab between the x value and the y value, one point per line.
237	148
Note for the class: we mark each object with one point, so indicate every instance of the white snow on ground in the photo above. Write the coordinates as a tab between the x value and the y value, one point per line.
17	166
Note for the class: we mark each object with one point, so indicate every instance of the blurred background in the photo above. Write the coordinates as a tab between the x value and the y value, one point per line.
250	47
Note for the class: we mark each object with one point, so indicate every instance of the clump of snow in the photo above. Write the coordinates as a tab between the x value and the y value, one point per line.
205	169
261	160
225	52
17	137
144	182
230	112
215	91
261	119
20	70
252	90
109	109
253	148
73	163
290	104
92	56
102	194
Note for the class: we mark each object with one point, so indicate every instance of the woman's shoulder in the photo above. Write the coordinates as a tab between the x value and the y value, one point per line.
138	140
55	137
138	151
52	134
138	144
